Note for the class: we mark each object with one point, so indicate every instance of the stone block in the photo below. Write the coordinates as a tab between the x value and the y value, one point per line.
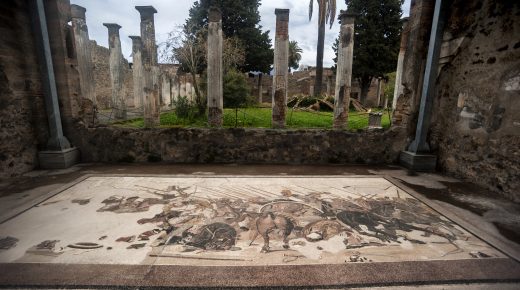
59	159
418	161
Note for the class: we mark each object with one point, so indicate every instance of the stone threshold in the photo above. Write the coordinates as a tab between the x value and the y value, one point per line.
362	274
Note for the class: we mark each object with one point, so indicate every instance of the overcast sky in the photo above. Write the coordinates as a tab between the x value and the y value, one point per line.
172	13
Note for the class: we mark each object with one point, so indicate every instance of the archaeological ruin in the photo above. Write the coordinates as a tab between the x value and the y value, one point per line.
472	149
337	198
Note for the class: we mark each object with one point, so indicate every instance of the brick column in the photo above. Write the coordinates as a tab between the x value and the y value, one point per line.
137	71
281	68
344	70
151	100
116	70
215	70
83	55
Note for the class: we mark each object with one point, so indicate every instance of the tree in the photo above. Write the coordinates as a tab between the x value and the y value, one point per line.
335	46
233	53
236	91
294	55
327	14
377	37
190	53
240	19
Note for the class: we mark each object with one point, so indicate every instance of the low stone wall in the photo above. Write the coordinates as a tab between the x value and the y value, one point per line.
199	145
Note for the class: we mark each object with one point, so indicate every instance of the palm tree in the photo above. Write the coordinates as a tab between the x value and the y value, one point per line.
327	14
294	55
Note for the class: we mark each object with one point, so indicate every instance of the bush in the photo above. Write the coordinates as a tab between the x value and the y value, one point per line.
236	90
183	107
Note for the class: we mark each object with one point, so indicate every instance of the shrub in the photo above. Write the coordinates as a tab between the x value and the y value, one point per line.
236	90
183	107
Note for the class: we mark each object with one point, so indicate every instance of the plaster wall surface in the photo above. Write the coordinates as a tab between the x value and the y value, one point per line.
23	123
476	121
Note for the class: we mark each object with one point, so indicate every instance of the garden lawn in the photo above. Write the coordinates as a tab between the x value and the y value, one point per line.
261	118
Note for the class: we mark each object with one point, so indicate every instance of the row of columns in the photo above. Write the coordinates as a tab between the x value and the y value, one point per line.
145	68
343	75
148	86
281	65
174	87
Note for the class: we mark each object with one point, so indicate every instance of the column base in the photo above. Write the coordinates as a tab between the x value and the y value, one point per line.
58	159
418	162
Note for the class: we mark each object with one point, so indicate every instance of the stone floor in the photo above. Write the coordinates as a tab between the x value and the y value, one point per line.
99	225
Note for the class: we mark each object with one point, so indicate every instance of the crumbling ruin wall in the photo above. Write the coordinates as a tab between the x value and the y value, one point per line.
476	124
204	145
100	59
301	82
23	123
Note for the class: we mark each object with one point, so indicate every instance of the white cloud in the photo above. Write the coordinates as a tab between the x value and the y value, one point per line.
173	13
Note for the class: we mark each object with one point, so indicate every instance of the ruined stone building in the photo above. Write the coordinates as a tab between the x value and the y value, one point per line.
469	119
100	57
302	83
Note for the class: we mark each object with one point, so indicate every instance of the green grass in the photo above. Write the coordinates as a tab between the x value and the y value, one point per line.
261	118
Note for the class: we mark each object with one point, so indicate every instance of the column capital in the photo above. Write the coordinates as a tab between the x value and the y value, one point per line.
112	27
146	12
347	17
77	11
282	14
279	11
214	14
135	38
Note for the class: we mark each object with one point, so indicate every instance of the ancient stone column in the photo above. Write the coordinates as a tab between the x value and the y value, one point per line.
418	157
344	70
189	94
329	85
378	92
166	90
260	88
151	100
414	63
281	68
215	70
84	57
175	88
182	87
116	70
398	90
420	144
137	71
